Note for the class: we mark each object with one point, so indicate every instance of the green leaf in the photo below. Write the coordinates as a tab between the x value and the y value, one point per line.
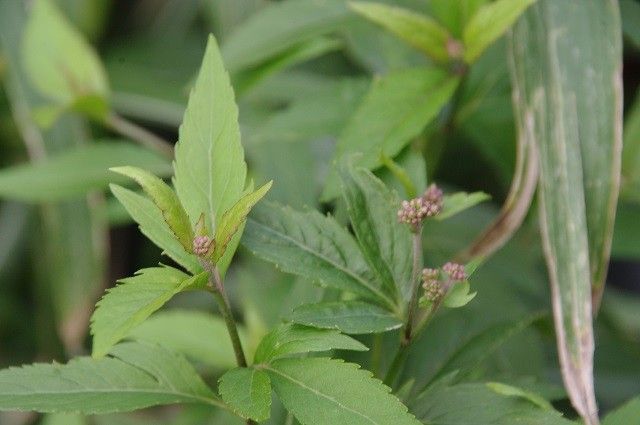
508	390
76	171
133	300
57	59
566	63
630	12
210	170
624	415
197	335
153	226
385	243
489	23
460	201
280	26
459	296
397	108
418	30
289	339
314	246
325	391
64	419
631	154
350	317
137	376
455	15
248	392
482	406
165	199
233	218
481	347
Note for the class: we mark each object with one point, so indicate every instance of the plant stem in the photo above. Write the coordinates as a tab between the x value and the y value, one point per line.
415	286
407	334
225	309
139	134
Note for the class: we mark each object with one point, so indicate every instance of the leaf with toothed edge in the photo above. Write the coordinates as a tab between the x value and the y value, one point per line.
165	199
248	392
321	391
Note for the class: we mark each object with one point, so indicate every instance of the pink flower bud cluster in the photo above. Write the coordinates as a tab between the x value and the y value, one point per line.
414	211
455	271
433	289
201	245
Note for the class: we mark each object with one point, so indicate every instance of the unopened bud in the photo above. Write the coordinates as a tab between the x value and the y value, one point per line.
455	271
201	245
414	211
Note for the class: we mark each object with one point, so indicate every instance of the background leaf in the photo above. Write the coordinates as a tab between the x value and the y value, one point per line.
289	339
396	109
566	72
350	317
51	45
77	171
418	30
490	22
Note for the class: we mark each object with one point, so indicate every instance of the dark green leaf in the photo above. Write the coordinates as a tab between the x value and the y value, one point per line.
137	376
311	245
321	391
289	339
350	317
385	243
458	202
624	415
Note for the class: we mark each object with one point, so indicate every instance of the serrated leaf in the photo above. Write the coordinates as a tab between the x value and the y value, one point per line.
459	295
248	392
197	335
153	226
418	30
210	170
460	201
350	317
482	406
233	218
569	103
280	26
137	376
397	108
57	59
314	246
76	171
320	391
166	200
625	414
289	339
385	243
490	22
133	300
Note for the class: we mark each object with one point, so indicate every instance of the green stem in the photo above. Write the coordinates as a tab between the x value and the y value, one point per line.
139	134
415	286
225	309
396	365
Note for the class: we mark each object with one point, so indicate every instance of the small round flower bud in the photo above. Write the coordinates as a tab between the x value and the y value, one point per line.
412	212
201	245
433	200
455	271
455	48
433	290
430	274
